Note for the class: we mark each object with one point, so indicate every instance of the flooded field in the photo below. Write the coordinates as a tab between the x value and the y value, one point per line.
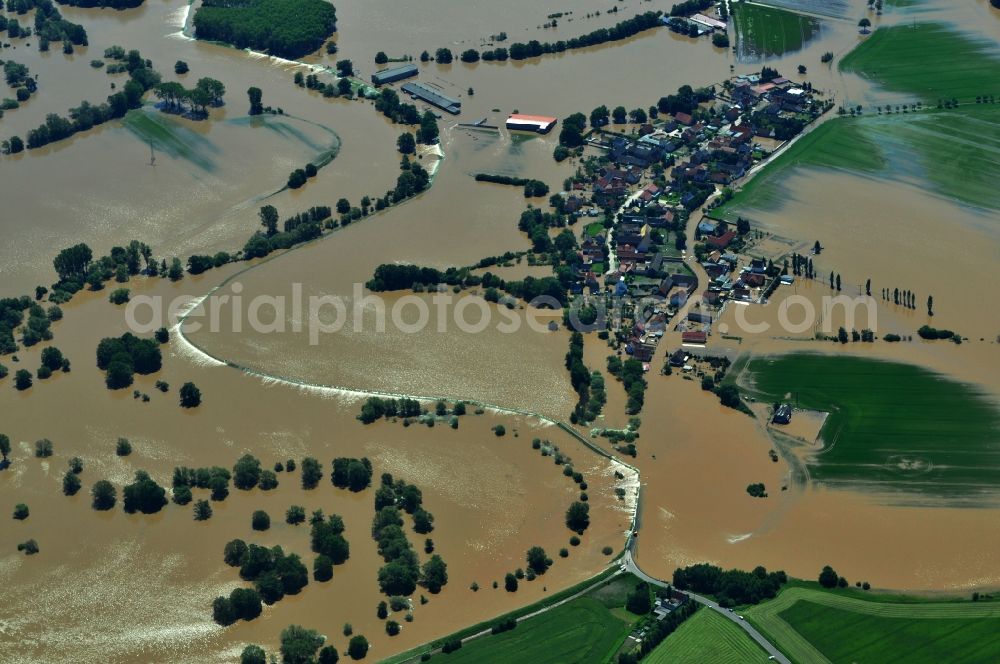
486	492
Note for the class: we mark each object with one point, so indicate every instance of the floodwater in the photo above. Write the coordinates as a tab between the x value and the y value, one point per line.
132	588
144	584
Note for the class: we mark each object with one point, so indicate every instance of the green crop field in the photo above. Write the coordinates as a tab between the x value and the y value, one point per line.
708	637
953	152
892	427
583	630
768	31
814	626
928	60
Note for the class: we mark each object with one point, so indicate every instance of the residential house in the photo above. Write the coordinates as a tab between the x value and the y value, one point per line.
721	241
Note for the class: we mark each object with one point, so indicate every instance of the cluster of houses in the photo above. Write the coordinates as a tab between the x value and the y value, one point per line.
777	94
695	25
653	177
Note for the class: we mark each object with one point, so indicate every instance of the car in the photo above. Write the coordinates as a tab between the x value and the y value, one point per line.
730	610
740	617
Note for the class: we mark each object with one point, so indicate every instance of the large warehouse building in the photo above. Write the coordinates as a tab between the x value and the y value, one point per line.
394	74
432	96
539	123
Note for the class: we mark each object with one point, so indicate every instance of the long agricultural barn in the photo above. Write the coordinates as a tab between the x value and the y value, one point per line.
540	123
432	96
394	74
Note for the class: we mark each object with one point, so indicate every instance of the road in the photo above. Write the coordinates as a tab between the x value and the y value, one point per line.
775	654
612	255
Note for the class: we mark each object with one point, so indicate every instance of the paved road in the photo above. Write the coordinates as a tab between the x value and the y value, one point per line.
747	627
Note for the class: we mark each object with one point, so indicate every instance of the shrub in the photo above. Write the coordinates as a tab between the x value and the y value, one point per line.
260	520
143	495
43	448
119	296
828	578
202	510
30	547
295	515
190	396
104	495
322	568
123	447
21	511
71	484
22	380
357	648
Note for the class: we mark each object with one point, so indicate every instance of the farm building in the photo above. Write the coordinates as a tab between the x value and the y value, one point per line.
783	415
538	123
394	74
432	96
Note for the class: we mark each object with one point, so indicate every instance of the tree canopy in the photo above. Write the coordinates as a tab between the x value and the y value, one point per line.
285	28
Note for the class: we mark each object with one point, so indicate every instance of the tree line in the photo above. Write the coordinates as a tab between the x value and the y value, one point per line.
534	48
532	188
113	4
730	587
142	77
207	91
402	571
375	408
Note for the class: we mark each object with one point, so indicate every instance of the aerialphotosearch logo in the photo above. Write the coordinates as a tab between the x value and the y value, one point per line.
443	311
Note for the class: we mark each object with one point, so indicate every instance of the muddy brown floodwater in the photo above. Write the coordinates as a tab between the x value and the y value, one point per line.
138	588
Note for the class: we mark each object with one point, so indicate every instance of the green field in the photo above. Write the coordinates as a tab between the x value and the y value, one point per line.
954	153
813	626
583	630
892	427
707	637
768	31
928	60
168	135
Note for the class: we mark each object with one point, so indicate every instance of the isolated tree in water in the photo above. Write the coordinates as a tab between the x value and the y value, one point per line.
190	396
930	312
255	95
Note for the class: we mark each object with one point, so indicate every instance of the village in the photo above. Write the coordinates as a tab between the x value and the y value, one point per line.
645	193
